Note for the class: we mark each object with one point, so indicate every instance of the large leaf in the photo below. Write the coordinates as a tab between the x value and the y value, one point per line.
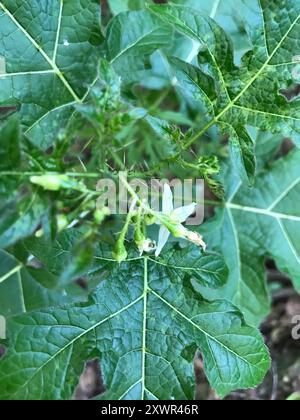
250	94
146	318
21	289
256	223
131	39
51	49
145	326
207	269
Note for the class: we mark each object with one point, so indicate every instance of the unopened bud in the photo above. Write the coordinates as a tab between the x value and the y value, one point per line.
147	246
179	231
62	222
101	214
50	182
120	254
195	238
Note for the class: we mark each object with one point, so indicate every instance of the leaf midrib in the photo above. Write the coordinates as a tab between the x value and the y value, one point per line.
11	273
262	212
176	267
288	239
272	114
129	47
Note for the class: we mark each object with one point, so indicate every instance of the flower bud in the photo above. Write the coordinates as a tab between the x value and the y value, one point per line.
39	233
50	182
120	254
149	219
147	246
62	222
139	237
179	231
100	215
195	238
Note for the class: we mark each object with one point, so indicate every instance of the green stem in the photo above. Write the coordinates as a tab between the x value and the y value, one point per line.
117	159
158	102
96	176
69	174
128	221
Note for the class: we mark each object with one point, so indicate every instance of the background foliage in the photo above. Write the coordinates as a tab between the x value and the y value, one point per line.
189	89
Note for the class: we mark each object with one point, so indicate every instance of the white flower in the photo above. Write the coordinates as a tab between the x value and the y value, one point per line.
147	246
179	216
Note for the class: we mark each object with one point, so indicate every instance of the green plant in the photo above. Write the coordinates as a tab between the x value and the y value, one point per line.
160	91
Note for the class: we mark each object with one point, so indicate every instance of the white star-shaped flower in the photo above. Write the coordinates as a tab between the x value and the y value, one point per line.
179	215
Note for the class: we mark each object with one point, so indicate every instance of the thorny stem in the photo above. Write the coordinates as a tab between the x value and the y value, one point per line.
96	175
69	174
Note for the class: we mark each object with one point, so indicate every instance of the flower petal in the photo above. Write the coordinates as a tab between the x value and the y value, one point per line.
162	239
147	246
167	202
183	213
